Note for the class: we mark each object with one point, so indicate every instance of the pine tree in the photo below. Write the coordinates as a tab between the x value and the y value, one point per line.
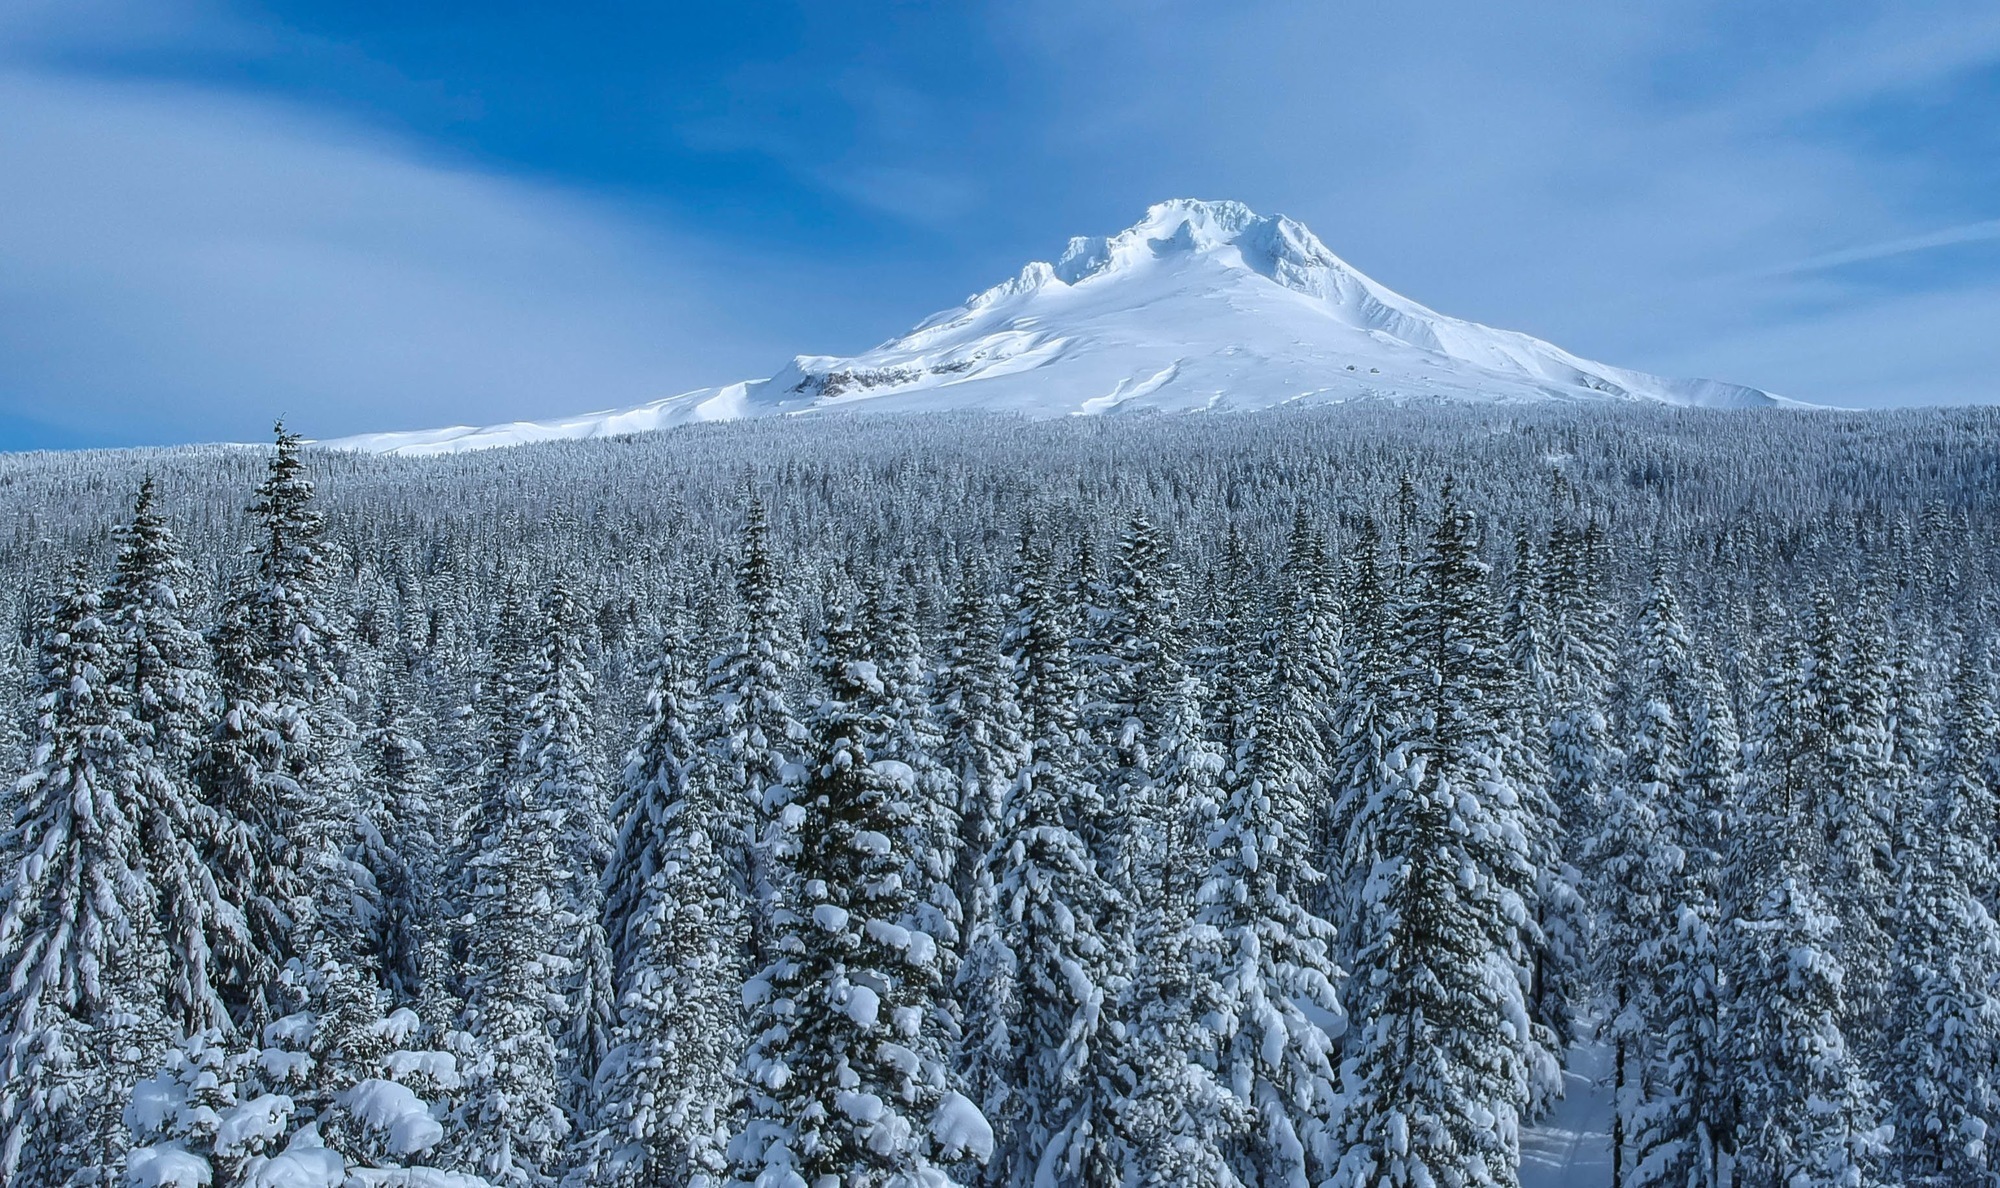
558	752
1684	1134
1559	965
1131	659
981	743
1437	1065
412	932
983	747
1850	686
1058	1125
914	740
1580	659
1272	966
667	1092
225	1113
279	764
511	1126
1580	759
1944	1081
165	692
85	963
1806	1108
749	736
1657	907
1181	1120
845	1069
501	703
1369	718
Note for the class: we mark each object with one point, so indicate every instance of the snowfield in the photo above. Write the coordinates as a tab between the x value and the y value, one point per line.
1572	1147
1200	306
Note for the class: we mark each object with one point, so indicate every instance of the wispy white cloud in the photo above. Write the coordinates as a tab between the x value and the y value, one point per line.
175	264
1887	248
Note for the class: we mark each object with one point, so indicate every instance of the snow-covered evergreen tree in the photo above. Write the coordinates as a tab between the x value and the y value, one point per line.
1635	867
1058	1122
165	692
412	933
749	736
845	1069
676	913
1368	720
279	764
1807	1113
1182	1123
1850	688
558	752
1943	1085
510	1125
1658	962
1274	976
914	739
1436	1070
85	965
221	1114
983	748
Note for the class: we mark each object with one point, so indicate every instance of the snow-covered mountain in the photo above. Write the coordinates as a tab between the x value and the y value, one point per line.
1200	306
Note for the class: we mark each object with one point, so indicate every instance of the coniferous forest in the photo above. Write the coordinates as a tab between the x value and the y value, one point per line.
1281	800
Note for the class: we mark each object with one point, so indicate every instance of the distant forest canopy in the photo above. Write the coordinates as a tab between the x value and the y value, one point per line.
1273	799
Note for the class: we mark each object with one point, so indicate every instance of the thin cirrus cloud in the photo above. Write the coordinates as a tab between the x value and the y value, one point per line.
177	265
1888	249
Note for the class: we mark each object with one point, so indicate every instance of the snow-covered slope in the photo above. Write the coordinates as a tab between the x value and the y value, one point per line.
1200	306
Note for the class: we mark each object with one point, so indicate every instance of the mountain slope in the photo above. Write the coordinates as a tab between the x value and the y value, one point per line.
1200	306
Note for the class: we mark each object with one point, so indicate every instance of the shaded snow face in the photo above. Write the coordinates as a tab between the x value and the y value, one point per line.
1199	306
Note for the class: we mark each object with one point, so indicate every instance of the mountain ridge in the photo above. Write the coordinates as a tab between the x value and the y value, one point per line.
1199	306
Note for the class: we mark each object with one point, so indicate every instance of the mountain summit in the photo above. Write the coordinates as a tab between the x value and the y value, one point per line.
1200	306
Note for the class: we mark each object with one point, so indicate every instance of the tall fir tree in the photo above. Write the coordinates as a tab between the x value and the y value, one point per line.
667	1092
750	738
559	753
279	763
1850	687
1807	1111
511	1125
1675	1118
85	963
845	1068
1182	1123
413	931
1943	1087
984	749
1437	1066
166	693
1058	1124
1635	870
1272	969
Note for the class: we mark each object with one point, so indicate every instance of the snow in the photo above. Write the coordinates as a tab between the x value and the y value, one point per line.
166	1165
253	1124
864	1006
398	1026
961	1130
305	1163
1572	1147
154	1103
440	1068
397	1112
1200	306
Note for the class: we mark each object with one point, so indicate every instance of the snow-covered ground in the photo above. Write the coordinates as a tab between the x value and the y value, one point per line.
1200	306
1572	1148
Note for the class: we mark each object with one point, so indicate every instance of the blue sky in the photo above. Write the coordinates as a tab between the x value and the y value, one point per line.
367	215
